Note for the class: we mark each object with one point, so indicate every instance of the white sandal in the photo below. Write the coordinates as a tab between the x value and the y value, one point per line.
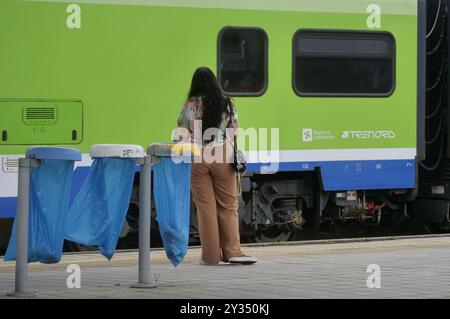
245	260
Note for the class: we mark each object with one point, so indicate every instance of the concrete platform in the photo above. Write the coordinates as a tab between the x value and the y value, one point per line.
417	267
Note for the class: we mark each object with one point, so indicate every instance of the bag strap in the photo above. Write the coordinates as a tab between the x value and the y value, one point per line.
230	124
235	150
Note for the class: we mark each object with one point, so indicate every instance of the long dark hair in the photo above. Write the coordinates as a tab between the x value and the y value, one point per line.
205	85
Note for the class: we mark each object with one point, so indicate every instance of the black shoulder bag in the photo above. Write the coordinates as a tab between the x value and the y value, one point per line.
239	163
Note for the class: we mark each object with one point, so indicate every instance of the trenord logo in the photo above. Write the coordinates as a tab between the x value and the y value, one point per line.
366	135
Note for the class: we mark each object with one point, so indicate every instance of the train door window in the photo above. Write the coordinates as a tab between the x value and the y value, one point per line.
242	61
343	63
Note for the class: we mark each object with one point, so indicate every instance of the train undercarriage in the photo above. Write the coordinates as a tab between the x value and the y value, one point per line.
286	206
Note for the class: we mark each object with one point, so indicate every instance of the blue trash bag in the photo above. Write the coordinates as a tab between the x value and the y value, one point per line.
172	186
99	209
50	185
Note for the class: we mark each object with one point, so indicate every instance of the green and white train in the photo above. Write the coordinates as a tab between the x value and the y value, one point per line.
338	86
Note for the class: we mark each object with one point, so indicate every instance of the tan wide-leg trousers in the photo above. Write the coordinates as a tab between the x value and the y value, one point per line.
214	192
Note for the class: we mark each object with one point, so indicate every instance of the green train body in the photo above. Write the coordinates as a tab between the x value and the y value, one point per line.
79	73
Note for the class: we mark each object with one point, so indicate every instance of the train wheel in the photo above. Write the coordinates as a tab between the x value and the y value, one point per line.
73	247
443	227
272	235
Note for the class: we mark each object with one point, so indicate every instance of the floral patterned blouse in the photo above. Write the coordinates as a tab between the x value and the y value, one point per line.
191	115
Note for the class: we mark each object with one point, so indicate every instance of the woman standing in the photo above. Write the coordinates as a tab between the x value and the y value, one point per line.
207	115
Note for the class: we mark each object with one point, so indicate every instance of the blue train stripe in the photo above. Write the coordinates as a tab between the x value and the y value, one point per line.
336	176
8	206
354	175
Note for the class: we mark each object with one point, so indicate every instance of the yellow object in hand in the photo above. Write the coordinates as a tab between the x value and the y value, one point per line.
183	148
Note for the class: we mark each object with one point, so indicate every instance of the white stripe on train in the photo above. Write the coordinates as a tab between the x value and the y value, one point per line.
8	181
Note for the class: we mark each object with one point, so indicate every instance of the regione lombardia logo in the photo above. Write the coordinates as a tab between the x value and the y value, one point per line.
345	135
307	135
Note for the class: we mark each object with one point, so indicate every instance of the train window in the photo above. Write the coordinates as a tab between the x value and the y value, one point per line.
343	63
242	61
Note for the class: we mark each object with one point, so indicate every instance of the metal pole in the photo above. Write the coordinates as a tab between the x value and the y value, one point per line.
22	221
145	186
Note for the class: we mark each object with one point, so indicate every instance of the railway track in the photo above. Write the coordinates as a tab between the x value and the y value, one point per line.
346	233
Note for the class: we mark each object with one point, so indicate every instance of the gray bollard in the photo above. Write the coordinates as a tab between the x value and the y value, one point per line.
144	277
22	223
